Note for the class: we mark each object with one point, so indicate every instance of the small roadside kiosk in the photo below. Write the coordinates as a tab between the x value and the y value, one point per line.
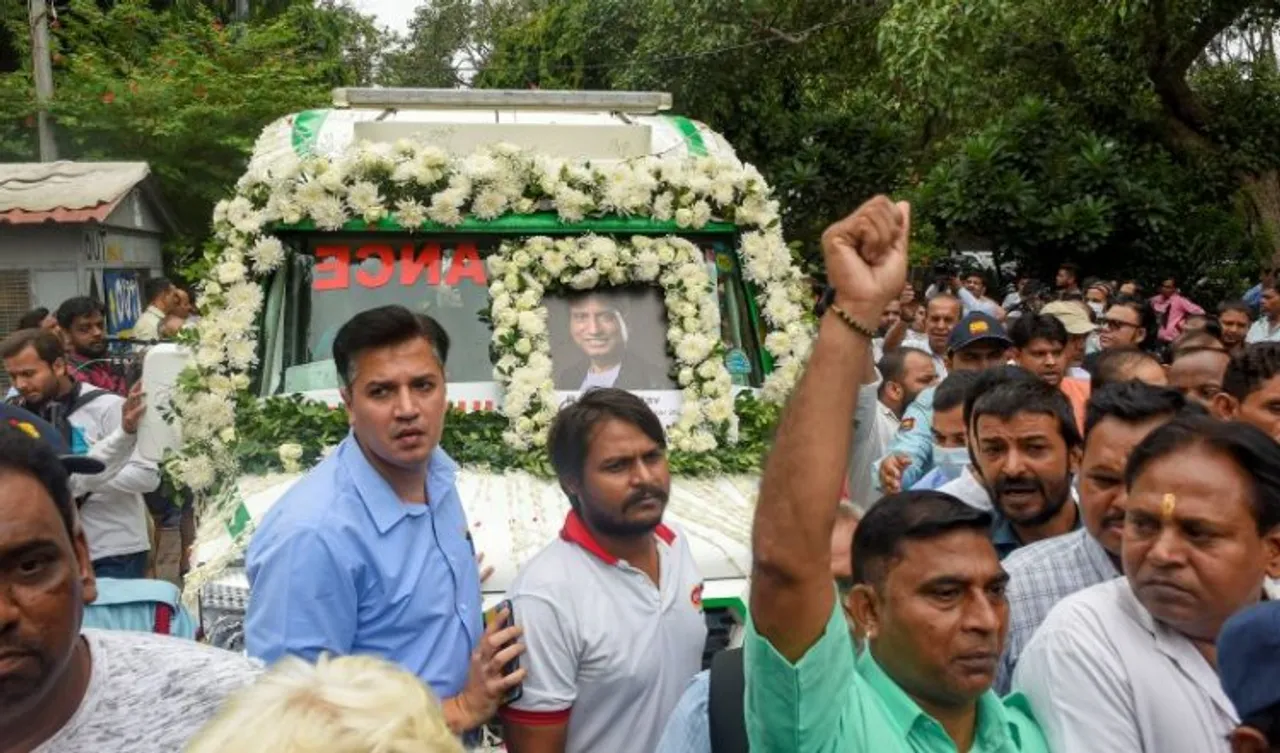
79	228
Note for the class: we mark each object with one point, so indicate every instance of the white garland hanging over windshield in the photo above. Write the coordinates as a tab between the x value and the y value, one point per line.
414	184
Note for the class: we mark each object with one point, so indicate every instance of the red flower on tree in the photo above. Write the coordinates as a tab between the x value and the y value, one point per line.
108	98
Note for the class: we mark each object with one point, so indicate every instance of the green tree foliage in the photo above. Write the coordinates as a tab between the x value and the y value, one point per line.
183	91
1195	79
785	82
1138	137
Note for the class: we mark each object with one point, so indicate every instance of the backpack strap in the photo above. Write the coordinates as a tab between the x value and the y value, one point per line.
725	703
84	398
164	618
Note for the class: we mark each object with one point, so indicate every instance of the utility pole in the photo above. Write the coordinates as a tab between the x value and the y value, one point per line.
42	67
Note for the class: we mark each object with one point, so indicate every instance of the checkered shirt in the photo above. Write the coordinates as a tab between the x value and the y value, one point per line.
1041	575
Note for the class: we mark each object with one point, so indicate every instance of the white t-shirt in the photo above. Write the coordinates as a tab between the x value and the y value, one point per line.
149	693
609	651
115	515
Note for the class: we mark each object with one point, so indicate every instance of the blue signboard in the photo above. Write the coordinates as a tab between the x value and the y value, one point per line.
124	300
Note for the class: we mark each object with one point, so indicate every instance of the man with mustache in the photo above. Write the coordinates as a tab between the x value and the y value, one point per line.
1129	665
1026	447
1042	574
929	593
370	553
83	326
613	609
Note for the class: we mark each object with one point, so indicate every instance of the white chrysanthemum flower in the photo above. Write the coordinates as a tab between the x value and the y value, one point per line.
310	192
572	205
532	324
719	411
240	381
267	254
242	354
228	435
481	167
243	295
231	272
777	343
694	348
684	218
525	206
444	211
290	457
196	471
701	214
489	205
410	213
554	263
366	201
584	280
329	213
581	256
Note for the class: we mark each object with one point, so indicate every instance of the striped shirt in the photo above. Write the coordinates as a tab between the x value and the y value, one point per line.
1041	575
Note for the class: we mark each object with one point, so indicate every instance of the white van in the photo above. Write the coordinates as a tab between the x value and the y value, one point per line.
333	274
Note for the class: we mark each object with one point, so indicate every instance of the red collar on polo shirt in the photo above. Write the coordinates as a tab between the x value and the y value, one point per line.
576	532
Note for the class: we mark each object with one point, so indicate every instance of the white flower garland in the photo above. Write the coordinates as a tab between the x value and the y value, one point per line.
523	272
413	183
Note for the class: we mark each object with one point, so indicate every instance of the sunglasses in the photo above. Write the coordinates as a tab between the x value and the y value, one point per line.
1116	324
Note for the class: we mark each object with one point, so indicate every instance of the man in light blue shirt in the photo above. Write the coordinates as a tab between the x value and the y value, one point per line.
370	552
976	343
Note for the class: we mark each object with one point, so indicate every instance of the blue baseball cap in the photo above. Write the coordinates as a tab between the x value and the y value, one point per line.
37	428
1249	658
977	327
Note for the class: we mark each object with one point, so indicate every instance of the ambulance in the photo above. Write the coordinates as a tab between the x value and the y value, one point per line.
336	274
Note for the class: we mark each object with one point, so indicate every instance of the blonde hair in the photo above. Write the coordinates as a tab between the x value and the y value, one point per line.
346	704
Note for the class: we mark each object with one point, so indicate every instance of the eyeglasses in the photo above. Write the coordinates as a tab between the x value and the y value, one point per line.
1116	324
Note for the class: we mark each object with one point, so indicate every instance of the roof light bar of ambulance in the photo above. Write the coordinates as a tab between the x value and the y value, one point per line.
638	103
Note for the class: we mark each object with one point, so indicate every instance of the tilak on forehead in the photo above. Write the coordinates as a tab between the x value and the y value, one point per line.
1167	506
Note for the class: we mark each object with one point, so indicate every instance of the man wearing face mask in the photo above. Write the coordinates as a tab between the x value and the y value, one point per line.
950	440
903	375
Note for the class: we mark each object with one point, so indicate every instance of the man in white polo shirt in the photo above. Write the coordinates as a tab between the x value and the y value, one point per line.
612	610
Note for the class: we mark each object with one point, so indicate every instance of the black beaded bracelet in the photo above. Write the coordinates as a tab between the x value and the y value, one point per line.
854	324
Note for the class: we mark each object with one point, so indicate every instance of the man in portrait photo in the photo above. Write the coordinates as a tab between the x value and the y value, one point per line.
600	354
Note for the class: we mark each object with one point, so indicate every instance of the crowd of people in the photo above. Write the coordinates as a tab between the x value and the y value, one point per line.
1027	525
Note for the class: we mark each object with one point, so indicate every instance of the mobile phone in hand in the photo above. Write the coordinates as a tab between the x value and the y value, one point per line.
491	616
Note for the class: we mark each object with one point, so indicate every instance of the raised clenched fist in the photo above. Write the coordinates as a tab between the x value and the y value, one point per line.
866	254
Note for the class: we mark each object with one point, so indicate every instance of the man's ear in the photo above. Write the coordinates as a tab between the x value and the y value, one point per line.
84	565
894	391
1225	406
1073	459
1248	740
345	394
1271	550
862	604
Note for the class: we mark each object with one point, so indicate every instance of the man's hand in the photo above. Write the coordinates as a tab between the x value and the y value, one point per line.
891	469
486	685
866	255
132	409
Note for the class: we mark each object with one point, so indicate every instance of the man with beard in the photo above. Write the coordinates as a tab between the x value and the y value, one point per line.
84	327
613	609
1026	447
1129	665
1042	574
929	590
370	552
113	514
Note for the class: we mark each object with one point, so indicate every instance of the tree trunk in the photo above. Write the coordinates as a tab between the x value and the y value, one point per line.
1263	194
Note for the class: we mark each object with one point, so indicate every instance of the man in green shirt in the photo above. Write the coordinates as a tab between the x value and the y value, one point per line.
930	590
